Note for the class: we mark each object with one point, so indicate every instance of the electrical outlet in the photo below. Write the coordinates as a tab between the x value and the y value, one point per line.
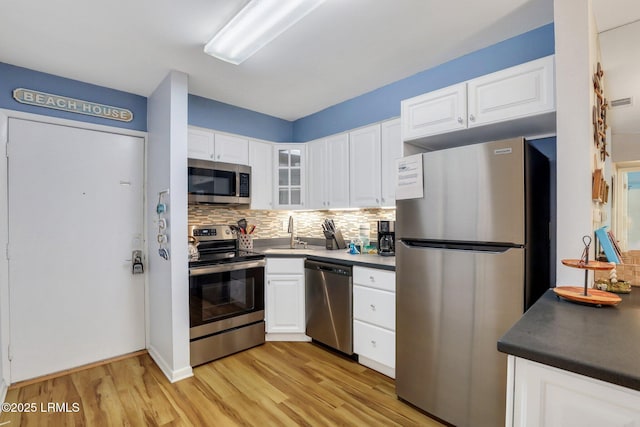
285	225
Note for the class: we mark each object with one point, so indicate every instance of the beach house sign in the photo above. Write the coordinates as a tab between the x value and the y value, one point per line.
72	105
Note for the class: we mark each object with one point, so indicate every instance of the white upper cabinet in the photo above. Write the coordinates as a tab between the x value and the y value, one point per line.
231	149
511	97
391	149
261	162
328	172
443	110
289	169
336	171
208	145
364	170
518	91
200	144
316	163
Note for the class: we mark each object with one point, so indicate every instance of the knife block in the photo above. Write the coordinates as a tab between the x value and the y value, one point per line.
331	244
335	241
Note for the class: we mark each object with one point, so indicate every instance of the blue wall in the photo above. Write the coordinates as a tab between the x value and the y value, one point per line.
384	103
380	104
12	77
216	115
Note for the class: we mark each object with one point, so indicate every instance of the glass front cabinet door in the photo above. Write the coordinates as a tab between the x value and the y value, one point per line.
289	192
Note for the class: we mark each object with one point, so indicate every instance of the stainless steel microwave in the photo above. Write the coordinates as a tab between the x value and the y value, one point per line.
219	183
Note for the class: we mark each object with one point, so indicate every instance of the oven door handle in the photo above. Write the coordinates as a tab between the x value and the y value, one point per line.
221	268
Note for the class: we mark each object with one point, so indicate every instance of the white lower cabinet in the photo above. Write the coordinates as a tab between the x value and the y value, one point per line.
284	300
374	319
540	395
375	345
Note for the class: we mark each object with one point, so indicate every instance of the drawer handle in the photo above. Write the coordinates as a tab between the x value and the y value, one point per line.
373	343
373	307
373	279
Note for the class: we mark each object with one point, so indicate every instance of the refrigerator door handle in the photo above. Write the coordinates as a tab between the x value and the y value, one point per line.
490	247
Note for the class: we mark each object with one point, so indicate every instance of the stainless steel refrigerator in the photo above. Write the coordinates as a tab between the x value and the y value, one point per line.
472	256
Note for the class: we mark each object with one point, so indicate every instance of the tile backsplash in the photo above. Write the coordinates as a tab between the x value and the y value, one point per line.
273	224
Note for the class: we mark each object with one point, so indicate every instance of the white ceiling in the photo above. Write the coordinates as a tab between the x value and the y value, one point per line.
618	22
343	49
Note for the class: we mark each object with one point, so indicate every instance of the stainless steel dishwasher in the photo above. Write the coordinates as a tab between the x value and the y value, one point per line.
329	304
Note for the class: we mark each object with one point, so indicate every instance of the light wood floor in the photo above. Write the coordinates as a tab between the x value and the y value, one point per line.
276	384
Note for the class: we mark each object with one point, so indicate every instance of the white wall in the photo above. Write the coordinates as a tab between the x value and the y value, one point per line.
625	147
4	264
576	53
168	280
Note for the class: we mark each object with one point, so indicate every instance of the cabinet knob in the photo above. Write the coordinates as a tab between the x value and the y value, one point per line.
460	120
218	156
211	155
328	203
373	343
472	117
373	307
377	201
324	203
383	200
373	279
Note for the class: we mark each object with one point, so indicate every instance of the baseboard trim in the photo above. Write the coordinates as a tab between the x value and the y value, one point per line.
76	369
377	366
287	337
172	375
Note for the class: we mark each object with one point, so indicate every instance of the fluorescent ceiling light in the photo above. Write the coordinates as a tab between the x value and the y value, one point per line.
259	22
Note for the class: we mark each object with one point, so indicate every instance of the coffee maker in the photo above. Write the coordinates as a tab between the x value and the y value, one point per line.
386	238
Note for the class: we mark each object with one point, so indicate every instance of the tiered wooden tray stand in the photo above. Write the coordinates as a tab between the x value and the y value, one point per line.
583	294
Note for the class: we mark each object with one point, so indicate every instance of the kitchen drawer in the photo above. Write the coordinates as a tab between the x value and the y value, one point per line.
374	343
285	266
374	306
381	279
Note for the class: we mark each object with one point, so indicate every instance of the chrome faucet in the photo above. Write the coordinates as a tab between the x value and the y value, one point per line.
290	230
293	243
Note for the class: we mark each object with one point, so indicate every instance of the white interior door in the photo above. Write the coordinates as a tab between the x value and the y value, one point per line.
75	215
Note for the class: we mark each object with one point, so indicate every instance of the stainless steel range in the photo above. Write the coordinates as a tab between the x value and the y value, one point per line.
226	295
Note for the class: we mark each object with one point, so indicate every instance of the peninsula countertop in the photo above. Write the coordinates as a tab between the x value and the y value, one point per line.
340	256
598	342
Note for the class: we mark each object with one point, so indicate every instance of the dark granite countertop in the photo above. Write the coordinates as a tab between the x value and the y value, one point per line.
336	257
279	248
598	342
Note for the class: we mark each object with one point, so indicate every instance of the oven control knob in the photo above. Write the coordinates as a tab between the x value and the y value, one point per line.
227	231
